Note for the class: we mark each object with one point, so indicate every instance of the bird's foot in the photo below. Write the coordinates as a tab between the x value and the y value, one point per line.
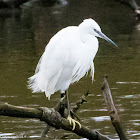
73	122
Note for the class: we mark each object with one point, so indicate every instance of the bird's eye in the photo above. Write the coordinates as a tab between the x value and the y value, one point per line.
96	31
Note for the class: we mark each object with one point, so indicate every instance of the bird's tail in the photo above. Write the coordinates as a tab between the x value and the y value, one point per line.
33	84
36	85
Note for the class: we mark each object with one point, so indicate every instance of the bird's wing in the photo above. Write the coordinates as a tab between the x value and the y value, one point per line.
83	65
52	63
84	59
87	52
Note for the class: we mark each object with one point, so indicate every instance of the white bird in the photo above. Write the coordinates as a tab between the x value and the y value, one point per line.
67	58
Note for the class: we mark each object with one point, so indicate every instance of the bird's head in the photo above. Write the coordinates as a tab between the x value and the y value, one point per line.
94	29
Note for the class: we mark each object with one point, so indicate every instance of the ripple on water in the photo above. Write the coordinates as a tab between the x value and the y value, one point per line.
101	118
127	82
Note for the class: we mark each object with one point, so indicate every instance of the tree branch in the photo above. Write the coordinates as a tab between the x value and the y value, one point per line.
80	102
55	117
61	108
51	117
18	111
112	110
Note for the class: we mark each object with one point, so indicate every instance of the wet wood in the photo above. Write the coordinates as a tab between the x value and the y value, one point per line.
19	111
80	102
112	110
51	117
61	108
55	117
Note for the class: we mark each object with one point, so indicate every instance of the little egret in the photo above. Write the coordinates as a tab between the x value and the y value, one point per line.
67	58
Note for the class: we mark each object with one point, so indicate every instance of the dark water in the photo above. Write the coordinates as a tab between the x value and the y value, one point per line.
24	34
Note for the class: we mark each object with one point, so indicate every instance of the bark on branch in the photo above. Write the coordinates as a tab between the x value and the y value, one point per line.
51	117
112	110
55	117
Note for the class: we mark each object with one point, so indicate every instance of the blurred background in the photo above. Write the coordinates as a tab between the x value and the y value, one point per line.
24	33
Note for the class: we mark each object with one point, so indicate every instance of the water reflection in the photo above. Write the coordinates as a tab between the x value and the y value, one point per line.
23	37
101	118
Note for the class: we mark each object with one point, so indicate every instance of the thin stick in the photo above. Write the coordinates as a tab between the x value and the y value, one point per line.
112	110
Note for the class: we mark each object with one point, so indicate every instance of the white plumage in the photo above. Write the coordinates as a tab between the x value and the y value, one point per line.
67	58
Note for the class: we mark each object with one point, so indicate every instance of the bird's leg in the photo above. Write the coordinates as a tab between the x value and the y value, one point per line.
62	104
62	94
69	118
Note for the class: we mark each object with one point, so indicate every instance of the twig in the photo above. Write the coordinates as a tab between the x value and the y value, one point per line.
112	110
80	102
45	131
